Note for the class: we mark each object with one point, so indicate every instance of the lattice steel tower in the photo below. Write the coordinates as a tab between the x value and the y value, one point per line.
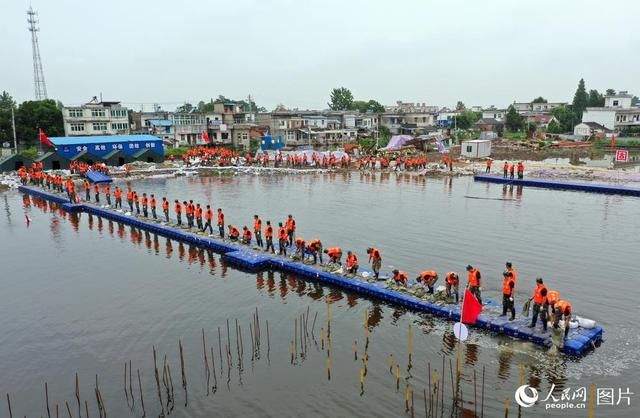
38	74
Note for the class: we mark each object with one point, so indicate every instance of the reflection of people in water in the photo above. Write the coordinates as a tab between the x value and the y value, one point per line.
375	316
271	283
448	342
260	281
471	354
505	357
519	191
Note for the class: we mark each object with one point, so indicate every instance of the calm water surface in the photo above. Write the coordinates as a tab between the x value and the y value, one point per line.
81	294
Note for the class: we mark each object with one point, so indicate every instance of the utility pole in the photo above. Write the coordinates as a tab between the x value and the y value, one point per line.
13	125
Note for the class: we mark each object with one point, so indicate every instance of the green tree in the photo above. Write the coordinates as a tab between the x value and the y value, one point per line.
610	92
566	117
384	135
635	100
595	99
467	118
460	106
187	107
580	99
554	127
43	114
539	99
341	99
359	105
514	120
6	104
6	101
374	106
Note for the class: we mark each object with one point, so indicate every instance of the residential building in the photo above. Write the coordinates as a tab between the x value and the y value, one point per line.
490	125
96	118
617	114
530	108
588	129
493	113
540	120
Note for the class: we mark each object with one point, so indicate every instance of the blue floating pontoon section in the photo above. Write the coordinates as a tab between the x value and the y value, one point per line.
578	342
564	185
97	177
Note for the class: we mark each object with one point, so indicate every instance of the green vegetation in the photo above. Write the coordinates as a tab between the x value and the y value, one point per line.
29	116
539	99
514	121
342	99
467	118
606	143
580	99
30	153
254	144
514	135
176	152
566	117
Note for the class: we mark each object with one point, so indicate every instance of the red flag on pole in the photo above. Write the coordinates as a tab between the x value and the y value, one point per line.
471	308
205	136
43	138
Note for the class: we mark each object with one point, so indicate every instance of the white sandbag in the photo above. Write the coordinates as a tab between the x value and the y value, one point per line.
585	323
441	288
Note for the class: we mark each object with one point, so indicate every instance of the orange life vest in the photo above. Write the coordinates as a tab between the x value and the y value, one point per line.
553	297
538	296
165	205
564	307
247	235
473	278
452	278
375	254
427	275
334	252
352	261
506	286
291	224
178	208
208	215
234	232
144	201
130	195
257	225
220	217
153	202
401	276
268	233
198	212
282	233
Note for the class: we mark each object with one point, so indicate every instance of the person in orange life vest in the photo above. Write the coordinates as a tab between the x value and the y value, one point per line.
208	218
87	190
300	246
488	169
192	213
335	254
375	258
234	233
514	273
107	193
508	287
136	202
96	190
474	283
291	228
268	234
400	277
562	308
282	239
539	299
197	213
257	230
165	208
352	263
505	170
246	235
451	283
314	249
188	213
520	170
428	279
178	210
145	205
221	222
118	196
512	170
553	296
130	199
153	203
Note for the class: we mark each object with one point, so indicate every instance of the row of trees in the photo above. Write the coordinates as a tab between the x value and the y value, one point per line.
203	106
29	116
342	99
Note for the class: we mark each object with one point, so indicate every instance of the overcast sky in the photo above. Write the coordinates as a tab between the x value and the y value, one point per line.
295	52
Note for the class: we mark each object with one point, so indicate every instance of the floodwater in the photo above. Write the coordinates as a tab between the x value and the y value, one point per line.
85	295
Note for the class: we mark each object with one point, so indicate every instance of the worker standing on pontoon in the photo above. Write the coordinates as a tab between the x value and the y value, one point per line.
375	258
508	287
473	283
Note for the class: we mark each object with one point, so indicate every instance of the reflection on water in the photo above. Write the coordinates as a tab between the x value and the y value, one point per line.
146	305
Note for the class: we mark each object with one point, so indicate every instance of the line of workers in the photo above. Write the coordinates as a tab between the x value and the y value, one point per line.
204	216
543	299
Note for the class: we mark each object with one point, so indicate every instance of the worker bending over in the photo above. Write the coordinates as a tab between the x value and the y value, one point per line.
246	236
428	279
400	278
375	258
352	263
451	284
234	233
335	254
314	249
562	308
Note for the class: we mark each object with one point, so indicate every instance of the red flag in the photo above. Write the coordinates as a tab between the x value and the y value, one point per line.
205	136
613	142
471	308
43	138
